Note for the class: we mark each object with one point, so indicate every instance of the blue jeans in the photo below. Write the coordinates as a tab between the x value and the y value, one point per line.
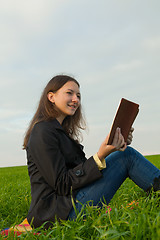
119	166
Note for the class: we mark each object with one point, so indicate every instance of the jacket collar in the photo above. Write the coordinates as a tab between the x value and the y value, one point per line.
58	126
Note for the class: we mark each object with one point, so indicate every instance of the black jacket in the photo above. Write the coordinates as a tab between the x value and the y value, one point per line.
56	164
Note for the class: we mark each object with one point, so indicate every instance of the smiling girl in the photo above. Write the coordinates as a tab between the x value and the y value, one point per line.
57	165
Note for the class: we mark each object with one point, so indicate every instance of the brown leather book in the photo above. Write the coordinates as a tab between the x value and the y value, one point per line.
124	118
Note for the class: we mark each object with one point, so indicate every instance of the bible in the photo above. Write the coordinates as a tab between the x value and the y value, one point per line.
124	118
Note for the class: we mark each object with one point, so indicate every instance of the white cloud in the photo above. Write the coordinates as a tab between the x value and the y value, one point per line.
23	24
152	43
132	65
9	114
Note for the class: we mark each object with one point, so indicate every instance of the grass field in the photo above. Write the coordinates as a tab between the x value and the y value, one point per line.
119	220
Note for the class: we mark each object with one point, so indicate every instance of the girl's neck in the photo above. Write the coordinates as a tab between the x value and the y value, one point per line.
60	119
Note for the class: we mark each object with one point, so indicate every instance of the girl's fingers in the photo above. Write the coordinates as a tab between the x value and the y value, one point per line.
130	136
116	136
123	147
118	141
121	143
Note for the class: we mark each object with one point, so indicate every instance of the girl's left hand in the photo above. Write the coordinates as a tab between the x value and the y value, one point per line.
130	136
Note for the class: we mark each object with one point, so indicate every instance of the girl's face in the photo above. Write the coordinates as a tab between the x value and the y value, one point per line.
66	100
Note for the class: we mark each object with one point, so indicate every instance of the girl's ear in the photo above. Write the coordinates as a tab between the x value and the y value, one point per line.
50	96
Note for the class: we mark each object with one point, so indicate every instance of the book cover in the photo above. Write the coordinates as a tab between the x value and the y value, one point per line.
124	118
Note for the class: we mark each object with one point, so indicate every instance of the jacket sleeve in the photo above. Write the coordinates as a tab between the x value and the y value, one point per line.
46	153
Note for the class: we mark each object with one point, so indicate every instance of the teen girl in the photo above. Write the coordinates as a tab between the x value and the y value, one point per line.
57	165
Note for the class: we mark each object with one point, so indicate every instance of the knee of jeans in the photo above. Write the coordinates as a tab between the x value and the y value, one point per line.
127	155
131	154
129	150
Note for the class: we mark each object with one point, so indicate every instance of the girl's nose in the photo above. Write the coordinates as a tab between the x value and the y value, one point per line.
75	99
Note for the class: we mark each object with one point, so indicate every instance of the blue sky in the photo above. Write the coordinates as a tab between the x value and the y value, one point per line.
111	47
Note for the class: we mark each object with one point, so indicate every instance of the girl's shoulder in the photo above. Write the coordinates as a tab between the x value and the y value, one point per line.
47	126
45	131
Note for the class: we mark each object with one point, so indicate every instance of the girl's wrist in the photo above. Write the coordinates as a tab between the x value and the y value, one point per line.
100	156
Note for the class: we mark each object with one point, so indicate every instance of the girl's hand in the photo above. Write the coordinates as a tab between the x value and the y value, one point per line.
130	136
118	141
117	144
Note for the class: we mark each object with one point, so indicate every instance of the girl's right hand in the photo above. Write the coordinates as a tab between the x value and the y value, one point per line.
117	144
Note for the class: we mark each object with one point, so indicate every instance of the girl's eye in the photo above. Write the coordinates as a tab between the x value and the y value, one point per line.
78	96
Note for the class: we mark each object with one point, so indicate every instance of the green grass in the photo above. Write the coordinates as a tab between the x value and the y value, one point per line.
124	221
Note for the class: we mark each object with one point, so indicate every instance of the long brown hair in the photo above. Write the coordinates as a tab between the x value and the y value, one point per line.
46	111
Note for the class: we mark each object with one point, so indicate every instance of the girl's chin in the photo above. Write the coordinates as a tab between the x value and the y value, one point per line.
72	111
71	114
68	113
